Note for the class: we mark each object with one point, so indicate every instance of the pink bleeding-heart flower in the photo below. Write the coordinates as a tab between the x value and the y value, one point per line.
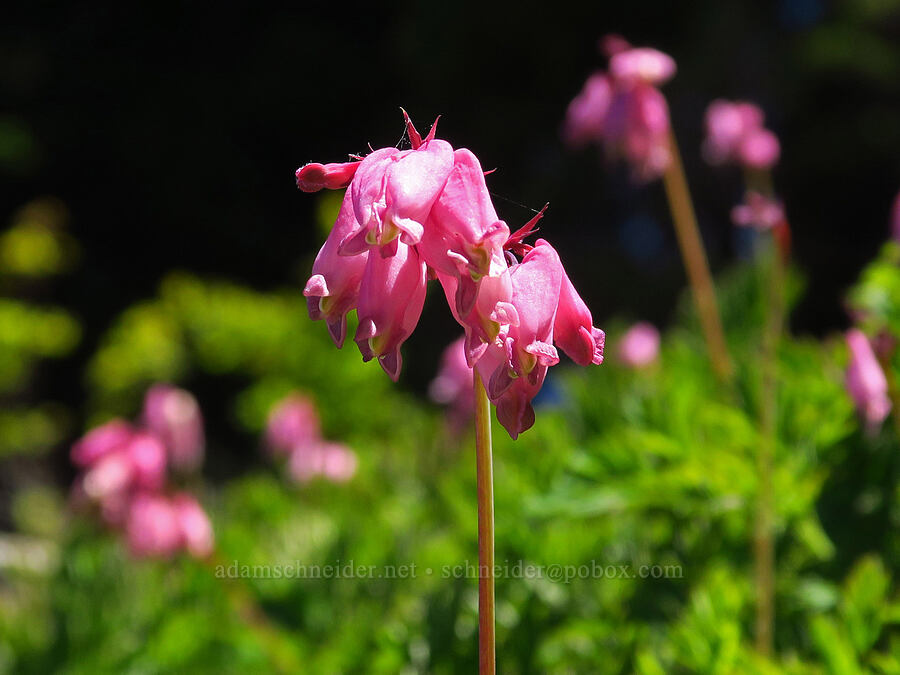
391	297
624	111
195	530
639	346
573	329
393	192
292	423
173	415
411	215
866	381
514	367
333	289
735	134
152	527
107	438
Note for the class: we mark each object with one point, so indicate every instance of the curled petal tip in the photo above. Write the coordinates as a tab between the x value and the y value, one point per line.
316	287
391	363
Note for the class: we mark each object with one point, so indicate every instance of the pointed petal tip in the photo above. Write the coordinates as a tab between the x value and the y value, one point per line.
391	363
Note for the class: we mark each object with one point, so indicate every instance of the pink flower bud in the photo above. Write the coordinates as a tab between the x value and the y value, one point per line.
152	527
391	297
333	289
866	381
640	345
112	436
172	414
196	533
314	176
292	423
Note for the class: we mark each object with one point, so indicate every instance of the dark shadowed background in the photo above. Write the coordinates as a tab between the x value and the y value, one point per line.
171	134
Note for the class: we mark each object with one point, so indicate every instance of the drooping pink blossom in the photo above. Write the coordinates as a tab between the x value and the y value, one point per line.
639	346
866	381
173	415
758	211
393	192
453	386
107	438
148	457
333	289
426	213
573	329
624	111
735	135
292	423
195	530
463	236
152	527
391	297
518	360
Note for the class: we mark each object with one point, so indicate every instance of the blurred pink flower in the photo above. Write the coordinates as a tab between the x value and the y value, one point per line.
640	345
866	381
758	211
172	414
735	134
453	385
107	438
624	111
292	423
196	533
152	527
332	461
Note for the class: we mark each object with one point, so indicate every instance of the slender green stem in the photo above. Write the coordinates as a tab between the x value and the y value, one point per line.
764	540
695	261
485	481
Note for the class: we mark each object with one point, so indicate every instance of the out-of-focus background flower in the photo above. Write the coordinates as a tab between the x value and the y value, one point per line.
152	239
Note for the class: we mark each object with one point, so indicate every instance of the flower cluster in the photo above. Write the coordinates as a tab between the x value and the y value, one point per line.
735	135
624	111
123	472
866	381
413	215
292	433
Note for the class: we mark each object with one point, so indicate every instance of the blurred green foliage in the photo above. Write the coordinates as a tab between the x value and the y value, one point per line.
654	467
33	249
